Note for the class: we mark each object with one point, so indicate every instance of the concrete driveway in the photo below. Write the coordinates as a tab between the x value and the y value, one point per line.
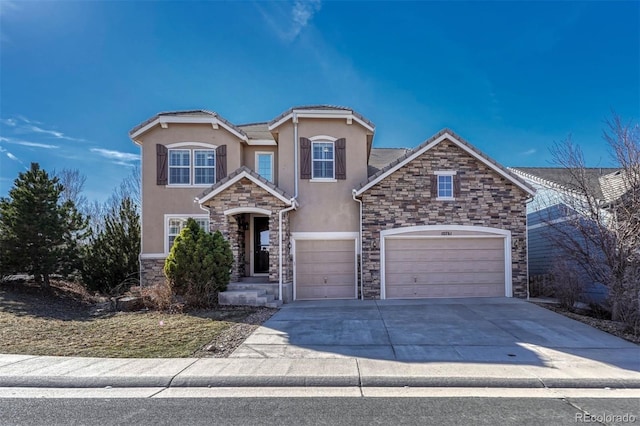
479	330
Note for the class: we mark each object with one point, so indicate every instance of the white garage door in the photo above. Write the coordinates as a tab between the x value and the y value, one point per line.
325	269
444	267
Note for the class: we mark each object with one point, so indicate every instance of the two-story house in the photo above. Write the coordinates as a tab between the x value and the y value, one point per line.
308	203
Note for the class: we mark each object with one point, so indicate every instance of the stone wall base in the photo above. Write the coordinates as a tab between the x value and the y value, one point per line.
151	272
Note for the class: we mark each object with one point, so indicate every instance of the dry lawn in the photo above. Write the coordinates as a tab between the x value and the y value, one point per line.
61	323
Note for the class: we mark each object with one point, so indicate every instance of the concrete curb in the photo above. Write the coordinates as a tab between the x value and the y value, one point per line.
61	372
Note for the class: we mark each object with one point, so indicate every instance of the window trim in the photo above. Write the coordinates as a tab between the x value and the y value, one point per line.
182	146
256	168
193	168
440	173
333	160
185	216
169	167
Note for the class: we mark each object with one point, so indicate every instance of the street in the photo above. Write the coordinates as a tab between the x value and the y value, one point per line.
319	410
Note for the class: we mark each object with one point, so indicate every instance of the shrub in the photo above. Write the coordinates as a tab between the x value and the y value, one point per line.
199	264
567	283
157	297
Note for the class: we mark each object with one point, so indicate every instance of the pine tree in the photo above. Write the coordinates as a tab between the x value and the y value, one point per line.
39	234
111	264
199	264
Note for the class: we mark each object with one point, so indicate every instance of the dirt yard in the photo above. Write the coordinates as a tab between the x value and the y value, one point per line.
64	321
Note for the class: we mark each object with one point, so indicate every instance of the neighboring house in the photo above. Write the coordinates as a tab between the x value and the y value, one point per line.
308	203
554	207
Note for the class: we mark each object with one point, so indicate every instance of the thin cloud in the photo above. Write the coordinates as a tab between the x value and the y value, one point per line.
296	17
118	156
11	156
53	133
530	151
302	13
27	143
23	125
11	122
122	163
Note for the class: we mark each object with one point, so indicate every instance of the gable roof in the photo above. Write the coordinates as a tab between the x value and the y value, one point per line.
240	173
442	135
187	116
321	111
601	182
381	157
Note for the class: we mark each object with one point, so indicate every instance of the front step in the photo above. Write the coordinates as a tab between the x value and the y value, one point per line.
269	288
246	298
255	294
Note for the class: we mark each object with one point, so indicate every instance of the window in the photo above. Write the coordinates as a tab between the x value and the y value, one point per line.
204	170
445	185
264	165
177	224
179	167
322	160
204	167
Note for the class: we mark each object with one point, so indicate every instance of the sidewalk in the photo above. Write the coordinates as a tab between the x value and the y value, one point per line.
73	372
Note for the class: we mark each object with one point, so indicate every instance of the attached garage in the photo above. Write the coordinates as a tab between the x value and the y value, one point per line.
324	267
445	261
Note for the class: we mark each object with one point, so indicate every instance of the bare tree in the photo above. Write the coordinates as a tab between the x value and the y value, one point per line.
601	227
128	188
73	184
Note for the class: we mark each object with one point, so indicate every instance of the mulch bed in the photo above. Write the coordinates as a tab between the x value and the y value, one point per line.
616	328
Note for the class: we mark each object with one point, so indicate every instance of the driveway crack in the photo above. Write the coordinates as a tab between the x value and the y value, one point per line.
386	330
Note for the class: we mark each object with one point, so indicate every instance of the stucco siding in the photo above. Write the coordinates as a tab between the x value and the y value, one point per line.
324	206
158	200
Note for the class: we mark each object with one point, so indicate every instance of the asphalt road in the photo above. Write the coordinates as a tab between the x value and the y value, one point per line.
318	411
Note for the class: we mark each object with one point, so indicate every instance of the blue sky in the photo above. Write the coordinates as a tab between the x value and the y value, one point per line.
510	77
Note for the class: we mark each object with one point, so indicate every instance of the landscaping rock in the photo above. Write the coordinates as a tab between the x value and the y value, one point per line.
129	303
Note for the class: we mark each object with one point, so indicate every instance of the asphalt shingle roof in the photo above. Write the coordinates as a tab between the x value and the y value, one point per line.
410	152
191	112
257	130
238	171
563	177
321	107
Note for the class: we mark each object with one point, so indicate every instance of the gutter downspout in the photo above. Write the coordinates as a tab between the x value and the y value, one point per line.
353	193
295	156
293	201
294	204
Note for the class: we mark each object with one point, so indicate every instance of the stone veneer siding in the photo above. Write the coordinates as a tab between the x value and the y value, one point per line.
152	271
403	199
245	193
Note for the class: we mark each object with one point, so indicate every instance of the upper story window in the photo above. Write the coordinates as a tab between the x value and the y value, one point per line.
445	185
204	166
264	165
323	160
179	167
184	171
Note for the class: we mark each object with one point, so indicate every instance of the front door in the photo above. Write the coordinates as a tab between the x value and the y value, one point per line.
260	245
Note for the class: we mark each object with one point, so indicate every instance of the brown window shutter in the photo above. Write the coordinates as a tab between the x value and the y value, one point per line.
456	186
305	158
434	186
341	158
162	164
221	162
